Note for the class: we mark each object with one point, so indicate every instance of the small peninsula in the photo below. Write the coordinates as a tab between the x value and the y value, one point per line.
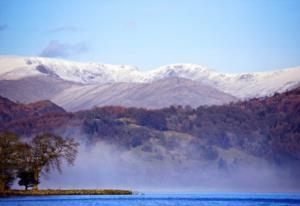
64	192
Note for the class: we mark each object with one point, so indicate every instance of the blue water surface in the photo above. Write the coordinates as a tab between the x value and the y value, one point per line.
178	199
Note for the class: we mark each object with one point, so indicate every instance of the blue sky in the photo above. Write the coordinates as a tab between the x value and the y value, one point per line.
227	35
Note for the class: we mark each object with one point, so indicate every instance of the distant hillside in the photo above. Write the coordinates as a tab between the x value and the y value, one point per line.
25	118
11	111
158	94
265	128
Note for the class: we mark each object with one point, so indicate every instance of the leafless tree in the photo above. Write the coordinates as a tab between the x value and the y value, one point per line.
48	151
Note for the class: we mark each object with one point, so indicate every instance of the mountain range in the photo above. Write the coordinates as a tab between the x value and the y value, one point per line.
76	86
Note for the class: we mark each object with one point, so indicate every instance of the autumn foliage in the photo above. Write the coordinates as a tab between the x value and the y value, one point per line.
266	127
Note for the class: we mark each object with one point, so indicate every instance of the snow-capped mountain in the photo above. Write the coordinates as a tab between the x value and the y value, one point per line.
13	68
244	85
76	85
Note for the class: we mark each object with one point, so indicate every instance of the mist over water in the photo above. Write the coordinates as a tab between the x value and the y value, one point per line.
108	166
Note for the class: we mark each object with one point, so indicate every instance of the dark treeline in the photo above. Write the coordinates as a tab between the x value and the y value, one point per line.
28	160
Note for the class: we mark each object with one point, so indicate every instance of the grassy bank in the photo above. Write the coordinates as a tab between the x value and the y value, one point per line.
64	192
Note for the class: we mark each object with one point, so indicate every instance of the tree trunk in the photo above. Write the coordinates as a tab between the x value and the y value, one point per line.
2	186
2	178
36	171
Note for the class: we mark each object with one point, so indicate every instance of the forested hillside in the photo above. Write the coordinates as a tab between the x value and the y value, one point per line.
267	128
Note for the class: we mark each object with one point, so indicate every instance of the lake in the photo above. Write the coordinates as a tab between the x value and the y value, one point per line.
178	199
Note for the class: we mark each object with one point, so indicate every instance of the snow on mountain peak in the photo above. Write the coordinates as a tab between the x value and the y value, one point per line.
86	73
189	71
244	85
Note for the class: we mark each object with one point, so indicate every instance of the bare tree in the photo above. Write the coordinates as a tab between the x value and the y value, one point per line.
48	151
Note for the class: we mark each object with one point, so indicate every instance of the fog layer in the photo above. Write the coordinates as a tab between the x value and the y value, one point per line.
108	166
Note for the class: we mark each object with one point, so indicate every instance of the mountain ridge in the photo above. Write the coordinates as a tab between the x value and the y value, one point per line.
77	86
242	85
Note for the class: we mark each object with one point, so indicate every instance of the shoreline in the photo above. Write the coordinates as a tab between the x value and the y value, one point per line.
45	192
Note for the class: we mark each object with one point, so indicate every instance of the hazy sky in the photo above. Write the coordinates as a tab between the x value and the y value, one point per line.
227	35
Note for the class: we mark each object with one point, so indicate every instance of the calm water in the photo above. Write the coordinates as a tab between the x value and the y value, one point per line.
200	199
